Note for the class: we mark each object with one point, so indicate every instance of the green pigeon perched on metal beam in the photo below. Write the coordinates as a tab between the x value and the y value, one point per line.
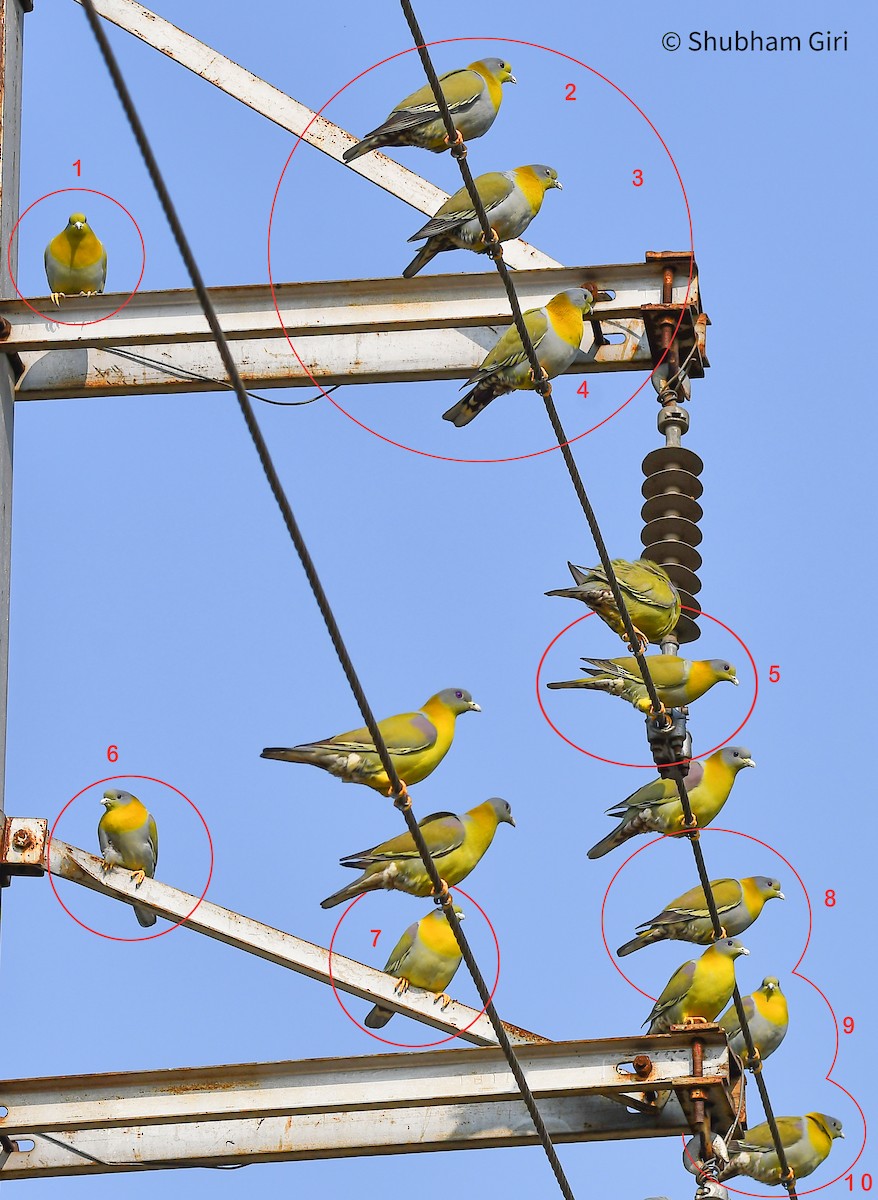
426	956
701	988
75	261
128	838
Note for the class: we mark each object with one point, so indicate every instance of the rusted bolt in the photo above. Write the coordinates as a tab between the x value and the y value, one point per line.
22	839
642	1066
5	329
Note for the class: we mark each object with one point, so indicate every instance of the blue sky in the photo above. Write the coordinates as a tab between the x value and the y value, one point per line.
158	605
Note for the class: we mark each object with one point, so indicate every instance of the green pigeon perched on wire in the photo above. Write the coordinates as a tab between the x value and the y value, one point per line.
768	1017
456	844
556	334
806	1140
473	95
687	919
511	200
417	743
128	838
426	956
678	681
652	600
656	807
76	261
700	988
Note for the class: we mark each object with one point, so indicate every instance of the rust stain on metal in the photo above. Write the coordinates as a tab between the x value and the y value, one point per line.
525	1034
642	1064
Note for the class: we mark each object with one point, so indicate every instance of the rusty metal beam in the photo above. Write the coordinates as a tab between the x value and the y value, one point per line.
352	331
380	1104
274	945
289	114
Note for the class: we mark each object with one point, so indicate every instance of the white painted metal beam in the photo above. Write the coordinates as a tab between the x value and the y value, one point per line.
345	332
321	1108
243	933
329	307
289	114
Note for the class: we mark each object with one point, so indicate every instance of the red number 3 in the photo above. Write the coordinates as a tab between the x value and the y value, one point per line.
637	179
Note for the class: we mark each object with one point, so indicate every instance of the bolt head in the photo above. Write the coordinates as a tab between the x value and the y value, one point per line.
22	839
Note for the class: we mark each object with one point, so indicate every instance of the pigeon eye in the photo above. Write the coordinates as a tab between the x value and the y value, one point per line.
459	695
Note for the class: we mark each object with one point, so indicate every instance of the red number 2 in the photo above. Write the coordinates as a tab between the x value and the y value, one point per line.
571	91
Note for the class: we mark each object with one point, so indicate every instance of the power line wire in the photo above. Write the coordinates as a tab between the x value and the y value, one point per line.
176	372
397	789
542	385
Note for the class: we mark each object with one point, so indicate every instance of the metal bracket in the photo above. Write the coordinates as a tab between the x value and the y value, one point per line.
23	846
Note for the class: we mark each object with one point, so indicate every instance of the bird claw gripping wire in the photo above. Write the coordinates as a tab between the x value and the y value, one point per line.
402	800
669	741
443	897
458	146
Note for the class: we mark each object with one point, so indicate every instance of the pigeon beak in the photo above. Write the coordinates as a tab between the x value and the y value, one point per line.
474	707
557	183
841	1133
744	950
77	224
511	79
748	762
780	896
735	680
512	820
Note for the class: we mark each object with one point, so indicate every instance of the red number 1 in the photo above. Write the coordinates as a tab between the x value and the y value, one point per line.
78	165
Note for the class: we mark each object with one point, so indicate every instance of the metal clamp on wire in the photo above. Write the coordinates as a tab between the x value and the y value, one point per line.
669	741
711	1190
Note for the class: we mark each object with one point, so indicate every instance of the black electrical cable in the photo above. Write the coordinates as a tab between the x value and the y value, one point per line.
397	788
544	387
178	372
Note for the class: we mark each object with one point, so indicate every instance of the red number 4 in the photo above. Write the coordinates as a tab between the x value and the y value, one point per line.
582	390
